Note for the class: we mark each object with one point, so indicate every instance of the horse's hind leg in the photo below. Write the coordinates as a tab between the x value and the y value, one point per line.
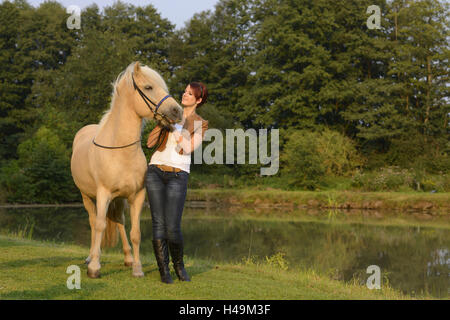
123	235
126	246
89	204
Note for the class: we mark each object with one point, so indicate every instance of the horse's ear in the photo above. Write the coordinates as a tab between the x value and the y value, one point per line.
137	67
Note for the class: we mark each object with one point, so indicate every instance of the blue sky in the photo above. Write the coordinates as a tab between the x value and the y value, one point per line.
177	11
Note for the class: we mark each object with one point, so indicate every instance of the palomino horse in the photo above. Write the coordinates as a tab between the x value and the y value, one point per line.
108	164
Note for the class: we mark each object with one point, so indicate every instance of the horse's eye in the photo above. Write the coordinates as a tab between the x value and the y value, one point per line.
148	88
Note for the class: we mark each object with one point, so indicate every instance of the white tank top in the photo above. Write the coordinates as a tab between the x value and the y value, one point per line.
170	157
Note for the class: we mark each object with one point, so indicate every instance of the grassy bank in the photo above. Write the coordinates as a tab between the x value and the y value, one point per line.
37	270
399	201
434	203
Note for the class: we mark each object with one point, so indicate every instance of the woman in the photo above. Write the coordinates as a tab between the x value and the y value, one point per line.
167	177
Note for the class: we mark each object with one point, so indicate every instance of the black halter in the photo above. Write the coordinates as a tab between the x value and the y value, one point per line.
155	113
145	98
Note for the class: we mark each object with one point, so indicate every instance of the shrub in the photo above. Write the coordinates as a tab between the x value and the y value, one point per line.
438	183
390	178
15	185
339	154
301	161
419	152
308	157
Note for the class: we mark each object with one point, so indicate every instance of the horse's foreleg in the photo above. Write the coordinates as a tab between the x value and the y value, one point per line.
136	203
103	200
89	204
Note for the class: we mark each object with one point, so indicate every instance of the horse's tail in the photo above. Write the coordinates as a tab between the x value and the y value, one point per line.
114	217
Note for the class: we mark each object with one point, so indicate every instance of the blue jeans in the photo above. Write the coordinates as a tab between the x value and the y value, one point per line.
166	195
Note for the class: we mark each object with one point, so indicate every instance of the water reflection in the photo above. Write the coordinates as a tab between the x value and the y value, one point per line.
412	258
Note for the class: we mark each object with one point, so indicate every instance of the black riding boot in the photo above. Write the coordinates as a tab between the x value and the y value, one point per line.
176	251
162	258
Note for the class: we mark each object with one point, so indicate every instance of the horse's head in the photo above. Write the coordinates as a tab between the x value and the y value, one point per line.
151	97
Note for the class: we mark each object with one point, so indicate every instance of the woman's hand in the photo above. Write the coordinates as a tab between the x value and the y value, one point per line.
177	135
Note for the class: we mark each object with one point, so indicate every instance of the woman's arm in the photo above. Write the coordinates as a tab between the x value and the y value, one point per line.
187	143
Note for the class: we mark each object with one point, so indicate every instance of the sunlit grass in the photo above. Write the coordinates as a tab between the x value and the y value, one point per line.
400	201
36	270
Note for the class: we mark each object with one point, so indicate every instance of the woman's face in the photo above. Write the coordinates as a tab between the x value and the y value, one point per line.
188	99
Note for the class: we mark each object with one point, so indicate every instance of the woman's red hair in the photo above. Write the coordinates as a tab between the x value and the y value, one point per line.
200	91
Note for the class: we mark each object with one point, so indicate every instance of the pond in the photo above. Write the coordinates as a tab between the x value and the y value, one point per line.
412	253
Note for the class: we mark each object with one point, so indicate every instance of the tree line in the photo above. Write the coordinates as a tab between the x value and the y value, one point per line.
310	68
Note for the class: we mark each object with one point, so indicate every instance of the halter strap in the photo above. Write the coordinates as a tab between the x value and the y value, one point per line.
146	100
162	100
128	145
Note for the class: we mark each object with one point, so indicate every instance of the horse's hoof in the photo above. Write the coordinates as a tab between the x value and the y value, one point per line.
138	274
137	270
128	264
93	274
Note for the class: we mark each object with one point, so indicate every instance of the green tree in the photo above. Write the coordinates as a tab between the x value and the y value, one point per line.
33	41
287	68
413	121
214	48
14	78
420	68
42	172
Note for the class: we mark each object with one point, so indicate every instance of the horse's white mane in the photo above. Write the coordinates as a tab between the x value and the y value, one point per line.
126	76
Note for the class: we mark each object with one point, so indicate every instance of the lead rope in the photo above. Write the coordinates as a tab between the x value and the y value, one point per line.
158	142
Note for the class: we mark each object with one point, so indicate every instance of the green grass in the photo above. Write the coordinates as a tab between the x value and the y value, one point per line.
389	179
400	201
324	216
37	270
